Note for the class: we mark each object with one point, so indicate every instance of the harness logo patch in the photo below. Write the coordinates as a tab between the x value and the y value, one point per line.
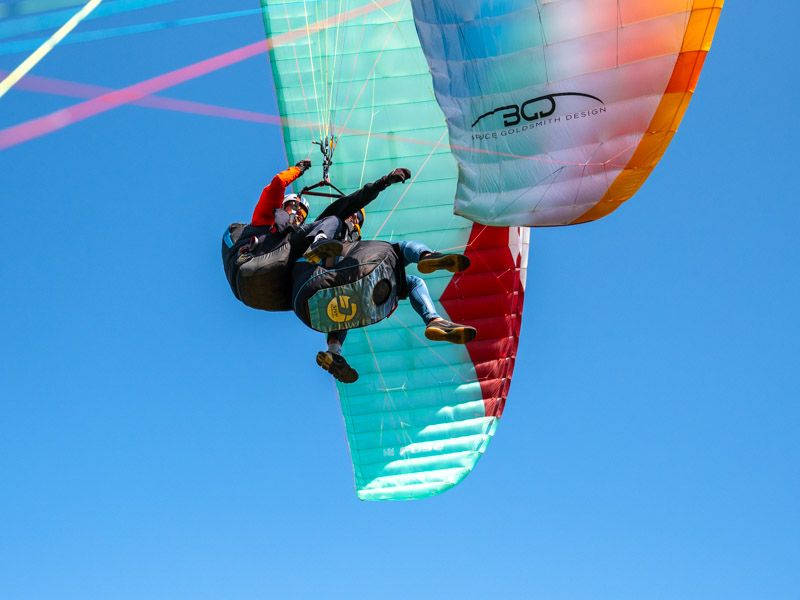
341	310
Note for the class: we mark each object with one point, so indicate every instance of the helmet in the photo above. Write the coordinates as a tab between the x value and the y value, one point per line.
358	220
296	198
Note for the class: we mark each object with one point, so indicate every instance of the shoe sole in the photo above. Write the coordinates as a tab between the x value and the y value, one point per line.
455	263
341	372
459	335
331	249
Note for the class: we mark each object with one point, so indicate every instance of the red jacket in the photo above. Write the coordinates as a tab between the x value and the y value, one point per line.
272	197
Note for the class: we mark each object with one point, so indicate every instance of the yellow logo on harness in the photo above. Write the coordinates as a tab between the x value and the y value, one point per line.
341	310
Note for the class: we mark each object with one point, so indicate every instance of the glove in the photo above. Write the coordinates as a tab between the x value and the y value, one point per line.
398	176
303	165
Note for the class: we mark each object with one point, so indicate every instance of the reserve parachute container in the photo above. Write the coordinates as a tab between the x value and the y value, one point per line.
559	110
257	267
351	76
361	289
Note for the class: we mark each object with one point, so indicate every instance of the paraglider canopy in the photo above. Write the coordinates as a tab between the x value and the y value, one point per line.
559	111
420	415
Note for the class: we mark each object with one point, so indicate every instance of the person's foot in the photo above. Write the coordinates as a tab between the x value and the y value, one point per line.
336	365
323	248
434	261
440	330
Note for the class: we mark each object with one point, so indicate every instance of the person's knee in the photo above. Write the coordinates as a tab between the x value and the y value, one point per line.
336	226
330	226
409	250
413	282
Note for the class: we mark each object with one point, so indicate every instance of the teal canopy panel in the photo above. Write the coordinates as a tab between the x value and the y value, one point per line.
422	413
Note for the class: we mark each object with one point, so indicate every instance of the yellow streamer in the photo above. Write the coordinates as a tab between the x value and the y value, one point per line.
46	47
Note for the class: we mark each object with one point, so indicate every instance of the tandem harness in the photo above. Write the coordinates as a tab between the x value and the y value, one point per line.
360	289
257	266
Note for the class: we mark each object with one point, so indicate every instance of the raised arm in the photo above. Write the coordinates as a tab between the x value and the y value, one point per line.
352	203
272	195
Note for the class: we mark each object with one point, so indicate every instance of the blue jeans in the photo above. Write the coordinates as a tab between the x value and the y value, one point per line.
418	293
411	251
420	298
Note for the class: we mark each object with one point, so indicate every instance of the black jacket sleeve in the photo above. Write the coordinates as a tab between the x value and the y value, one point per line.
352	203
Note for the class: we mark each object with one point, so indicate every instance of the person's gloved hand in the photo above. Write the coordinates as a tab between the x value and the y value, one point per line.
398	176
303	165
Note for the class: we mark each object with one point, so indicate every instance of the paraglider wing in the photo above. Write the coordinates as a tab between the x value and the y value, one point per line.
559	110
421	413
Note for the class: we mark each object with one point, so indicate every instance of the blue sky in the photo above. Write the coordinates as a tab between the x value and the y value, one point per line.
159	440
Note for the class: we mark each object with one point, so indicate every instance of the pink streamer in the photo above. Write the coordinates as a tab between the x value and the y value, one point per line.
29	130
61	87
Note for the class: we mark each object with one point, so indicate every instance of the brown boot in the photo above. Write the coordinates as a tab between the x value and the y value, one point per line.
336	365
440	330
434	261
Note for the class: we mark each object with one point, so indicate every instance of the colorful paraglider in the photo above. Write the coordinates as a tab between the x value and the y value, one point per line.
559	111
554	113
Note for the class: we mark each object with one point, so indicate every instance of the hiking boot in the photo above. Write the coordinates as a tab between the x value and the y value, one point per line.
440	330
322	249
336	365
434	261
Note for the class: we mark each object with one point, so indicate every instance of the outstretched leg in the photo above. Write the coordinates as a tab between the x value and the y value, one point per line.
332	360
437	328
429	261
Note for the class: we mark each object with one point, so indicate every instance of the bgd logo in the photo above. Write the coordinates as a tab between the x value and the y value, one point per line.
532	109
341	310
